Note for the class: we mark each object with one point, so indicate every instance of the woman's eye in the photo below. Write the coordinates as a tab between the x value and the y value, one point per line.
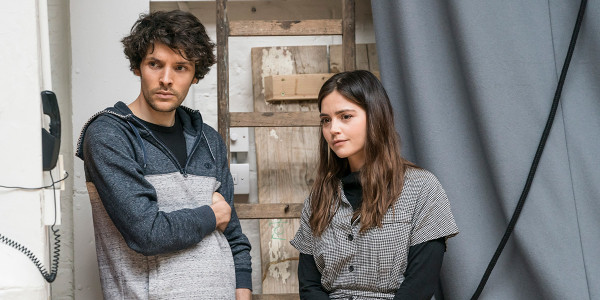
346	117
324	121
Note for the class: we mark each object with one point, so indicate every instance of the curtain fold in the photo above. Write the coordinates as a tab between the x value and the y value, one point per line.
472	84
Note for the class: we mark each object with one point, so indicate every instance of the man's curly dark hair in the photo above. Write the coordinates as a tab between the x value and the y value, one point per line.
179	30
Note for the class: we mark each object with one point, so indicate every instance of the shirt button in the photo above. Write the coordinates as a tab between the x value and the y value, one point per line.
351	268
350	237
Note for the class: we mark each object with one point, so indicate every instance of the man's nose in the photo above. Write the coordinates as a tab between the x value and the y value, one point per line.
166	77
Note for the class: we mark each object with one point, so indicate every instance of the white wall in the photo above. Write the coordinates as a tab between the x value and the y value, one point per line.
60	59
21	159
101	77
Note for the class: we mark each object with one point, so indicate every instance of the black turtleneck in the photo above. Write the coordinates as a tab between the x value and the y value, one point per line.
353	189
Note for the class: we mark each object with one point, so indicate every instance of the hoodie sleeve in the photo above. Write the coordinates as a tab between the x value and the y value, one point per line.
240	246
131	201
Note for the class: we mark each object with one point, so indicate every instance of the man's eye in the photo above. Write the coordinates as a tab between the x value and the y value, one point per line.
153	64
181	68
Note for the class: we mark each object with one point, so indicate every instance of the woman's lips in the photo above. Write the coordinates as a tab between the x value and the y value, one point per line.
339	142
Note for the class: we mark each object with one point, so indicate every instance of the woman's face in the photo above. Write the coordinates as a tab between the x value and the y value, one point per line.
344	126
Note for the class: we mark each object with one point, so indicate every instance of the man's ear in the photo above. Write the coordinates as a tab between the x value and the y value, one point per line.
137	72
195	80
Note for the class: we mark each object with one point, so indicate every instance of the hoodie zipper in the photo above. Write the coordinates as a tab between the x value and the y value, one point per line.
197	142
92	118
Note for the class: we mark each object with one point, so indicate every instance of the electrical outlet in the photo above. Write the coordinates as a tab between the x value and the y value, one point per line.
241	178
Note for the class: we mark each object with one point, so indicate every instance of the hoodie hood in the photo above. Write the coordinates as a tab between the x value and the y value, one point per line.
191	120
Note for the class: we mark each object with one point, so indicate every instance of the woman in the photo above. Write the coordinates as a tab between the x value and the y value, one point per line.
375	225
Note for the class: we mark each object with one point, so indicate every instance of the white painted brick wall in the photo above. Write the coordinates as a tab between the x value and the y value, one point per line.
21	159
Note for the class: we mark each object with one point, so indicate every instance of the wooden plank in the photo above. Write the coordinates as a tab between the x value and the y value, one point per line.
286	160
285	27
223	72
362	57
275	119
366	58
294	87
276	297
348	35
269	210
373	59
336	64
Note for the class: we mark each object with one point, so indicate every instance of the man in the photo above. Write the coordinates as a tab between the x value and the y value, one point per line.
158	178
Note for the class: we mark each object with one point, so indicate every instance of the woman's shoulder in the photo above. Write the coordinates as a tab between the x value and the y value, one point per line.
419	177
418	183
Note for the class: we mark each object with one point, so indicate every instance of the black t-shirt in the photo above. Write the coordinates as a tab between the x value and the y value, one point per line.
172	137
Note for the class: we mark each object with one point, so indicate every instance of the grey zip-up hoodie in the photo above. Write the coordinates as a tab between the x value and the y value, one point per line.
155	232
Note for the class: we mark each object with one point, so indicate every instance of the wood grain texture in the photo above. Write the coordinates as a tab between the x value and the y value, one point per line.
348	35
275	119
269	210
286	160
294	87
281	28
276	297
223	72
373	59
366	58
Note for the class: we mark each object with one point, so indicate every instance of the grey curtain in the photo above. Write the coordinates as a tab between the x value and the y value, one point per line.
472	84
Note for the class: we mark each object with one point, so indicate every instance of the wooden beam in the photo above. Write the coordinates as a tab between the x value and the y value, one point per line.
275	297
275	119
269	210
281	28
294	87
223	72
348	36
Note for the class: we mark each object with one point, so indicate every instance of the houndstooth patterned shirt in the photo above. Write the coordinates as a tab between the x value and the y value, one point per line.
369	265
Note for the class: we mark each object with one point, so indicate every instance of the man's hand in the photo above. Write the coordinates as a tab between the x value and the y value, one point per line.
222	211
243	294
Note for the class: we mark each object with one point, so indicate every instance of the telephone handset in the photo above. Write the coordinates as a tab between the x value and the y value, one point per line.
50	140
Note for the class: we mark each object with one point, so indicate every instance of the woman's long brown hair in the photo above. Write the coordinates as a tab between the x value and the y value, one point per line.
382	175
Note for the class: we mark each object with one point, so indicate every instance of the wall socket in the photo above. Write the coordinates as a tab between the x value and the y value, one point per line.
241	178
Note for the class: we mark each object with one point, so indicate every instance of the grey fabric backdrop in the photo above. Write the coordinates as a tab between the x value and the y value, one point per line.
472	83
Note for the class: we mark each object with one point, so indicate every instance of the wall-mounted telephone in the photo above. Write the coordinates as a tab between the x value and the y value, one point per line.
50	151
51	139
